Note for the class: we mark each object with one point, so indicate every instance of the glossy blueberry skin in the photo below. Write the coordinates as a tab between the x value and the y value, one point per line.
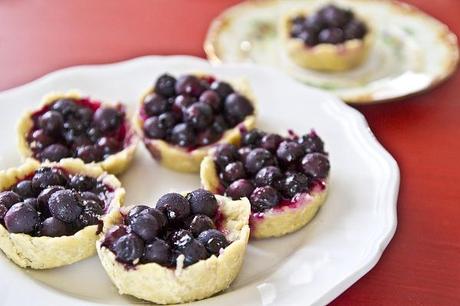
263	198
237	108
199	223
65	106
155	104
225	154
355	30
213	240
128	248
234	171
82	182
162	220
53	227
252	138
223	89
183	135
54	152
44	197
90	215
51	123
107	119
164	85
311	143
257	159
240	189
134	212
8	198
153	128
294	183
39	140
202	202
64	205
189	85
45	177
271	142
316	165
211	98
158	251
90	153
145	226
194	251
25	190
174	206
289	152
199	115
180	238
331	36
268	176
21	218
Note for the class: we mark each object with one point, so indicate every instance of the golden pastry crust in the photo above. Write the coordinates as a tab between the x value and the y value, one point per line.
325	57
274	222
158	284
115	163
50	252
183	160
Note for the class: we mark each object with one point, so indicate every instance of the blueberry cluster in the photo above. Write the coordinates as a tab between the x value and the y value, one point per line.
192	111
52	203
269	168
329	25
177	225
77	128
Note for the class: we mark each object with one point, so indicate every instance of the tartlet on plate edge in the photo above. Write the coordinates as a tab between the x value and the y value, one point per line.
50	252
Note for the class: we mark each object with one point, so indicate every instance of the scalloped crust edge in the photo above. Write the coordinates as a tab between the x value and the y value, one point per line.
274	222
115	163
51	252
179	159
162	285
325	57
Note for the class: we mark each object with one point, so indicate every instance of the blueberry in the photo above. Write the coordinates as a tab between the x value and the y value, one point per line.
194	251
199	115
211	98
8	198
334	16
153	129
39	140
294	183
44	197
309	38
355	30
94	134
113	234
183	135
90	215
225	154
213	240
134	212
252	138
25	190
65	106
159	216
91	196
271	142
268	176
32	202
263	198
155	105
85	116
219	124
243	152
240	189
257	159
316	165
90	153
55	152
64	205
180	238
128	248
45	177
314	23
208	137
202	202
51	123
80	141
107	119
289	152
331	36
158	252
311	143
199	223
223	89
109	145
3	211
183	101
237	108
82	182
234	171
174	206
190	85
21	218
165	85
53	227
167	120
145	226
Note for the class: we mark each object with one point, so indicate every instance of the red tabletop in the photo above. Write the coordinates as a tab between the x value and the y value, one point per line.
422	263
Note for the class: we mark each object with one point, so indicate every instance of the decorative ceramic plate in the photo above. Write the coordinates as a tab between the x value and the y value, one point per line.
412	51
313	265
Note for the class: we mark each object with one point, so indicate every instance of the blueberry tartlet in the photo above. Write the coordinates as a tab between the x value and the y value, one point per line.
181	119
68	125
331	39
284	178
189	247
51	213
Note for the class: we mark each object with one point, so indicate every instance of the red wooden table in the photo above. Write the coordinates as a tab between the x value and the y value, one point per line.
422	263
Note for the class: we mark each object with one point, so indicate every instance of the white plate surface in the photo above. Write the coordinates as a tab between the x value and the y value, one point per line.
311	266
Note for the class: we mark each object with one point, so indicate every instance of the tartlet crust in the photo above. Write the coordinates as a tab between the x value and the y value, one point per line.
115	163
183	160
51	252
273	222
158	284
325	57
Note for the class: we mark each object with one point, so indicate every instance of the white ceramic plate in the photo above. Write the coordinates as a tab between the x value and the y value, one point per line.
311	266
412	50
